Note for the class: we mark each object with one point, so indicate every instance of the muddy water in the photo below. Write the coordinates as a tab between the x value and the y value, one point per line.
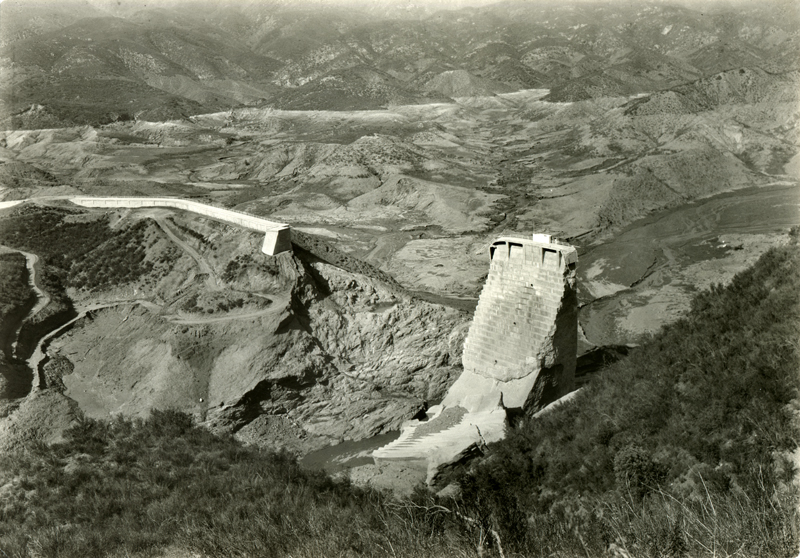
646	275
346	455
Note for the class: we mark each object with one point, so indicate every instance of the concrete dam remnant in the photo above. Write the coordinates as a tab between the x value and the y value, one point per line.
523	339
519	355
277	236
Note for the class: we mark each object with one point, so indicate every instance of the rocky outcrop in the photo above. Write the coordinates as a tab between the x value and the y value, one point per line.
520	354
337	356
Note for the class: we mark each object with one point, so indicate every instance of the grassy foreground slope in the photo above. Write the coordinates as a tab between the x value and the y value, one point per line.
680	450
134	488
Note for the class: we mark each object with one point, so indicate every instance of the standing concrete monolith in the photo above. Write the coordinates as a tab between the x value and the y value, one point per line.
519	355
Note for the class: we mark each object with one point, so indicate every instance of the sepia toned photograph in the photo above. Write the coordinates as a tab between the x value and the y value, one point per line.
399	278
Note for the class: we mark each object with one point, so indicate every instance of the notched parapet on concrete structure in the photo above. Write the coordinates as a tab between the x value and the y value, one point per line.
520	352
523	339
277	236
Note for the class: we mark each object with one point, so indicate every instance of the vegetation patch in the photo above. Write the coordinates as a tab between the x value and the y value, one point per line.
246	263
16	300
15	293
123	258
678	450
60	237
223	301
52	235
16	174
134	487
189	231
82	251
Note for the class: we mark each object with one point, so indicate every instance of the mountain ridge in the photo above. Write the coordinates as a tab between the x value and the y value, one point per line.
186	59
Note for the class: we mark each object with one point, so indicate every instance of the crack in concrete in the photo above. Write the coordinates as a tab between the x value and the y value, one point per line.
482	443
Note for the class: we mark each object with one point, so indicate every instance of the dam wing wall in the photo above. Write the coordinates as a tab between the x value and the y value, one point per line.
277	236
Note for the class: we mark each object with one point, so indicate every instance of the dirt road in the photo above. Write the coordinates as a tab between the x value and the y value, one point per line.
212	282
279	303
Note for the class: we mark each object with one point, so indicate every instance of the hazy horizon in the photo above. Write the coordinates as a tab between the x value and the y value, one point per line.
122	5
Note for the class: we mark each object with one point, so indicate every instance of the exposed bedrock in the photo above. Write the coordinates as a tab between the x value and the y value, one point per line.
520	354
336	355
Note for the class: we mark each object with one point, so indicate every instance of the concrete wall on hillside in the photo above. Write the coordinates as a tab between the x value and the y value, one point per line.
522	343
277	237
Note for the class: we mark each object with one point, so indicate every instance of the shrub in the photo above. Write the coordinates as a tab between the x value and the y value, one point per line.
132	486
636	472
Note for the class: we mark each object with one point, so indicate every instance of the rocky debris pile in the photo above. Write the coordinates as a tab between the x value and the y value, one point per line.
448	435
377	355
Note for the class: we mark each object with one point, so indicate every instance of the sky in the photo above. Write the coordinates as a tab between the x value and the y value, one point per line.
431	4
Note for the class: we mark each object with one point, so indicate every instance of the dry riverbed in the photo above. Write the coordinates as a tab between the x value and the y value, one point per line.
646	276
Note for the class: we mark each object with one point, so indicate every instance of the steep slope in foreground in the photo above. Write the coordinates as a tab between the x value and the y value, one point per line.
163	487
681	448
670	453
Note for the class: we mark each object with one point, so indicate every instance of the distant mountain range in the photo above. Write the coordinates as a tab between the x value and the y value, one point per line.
96	61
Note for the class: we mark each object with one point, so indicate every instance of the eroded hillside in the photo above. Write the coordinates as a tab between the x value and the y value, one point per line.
287	351
661	141
432	183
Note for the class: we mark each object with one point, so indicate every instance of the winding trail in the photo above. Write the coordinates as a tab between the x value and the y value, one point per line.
212	282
